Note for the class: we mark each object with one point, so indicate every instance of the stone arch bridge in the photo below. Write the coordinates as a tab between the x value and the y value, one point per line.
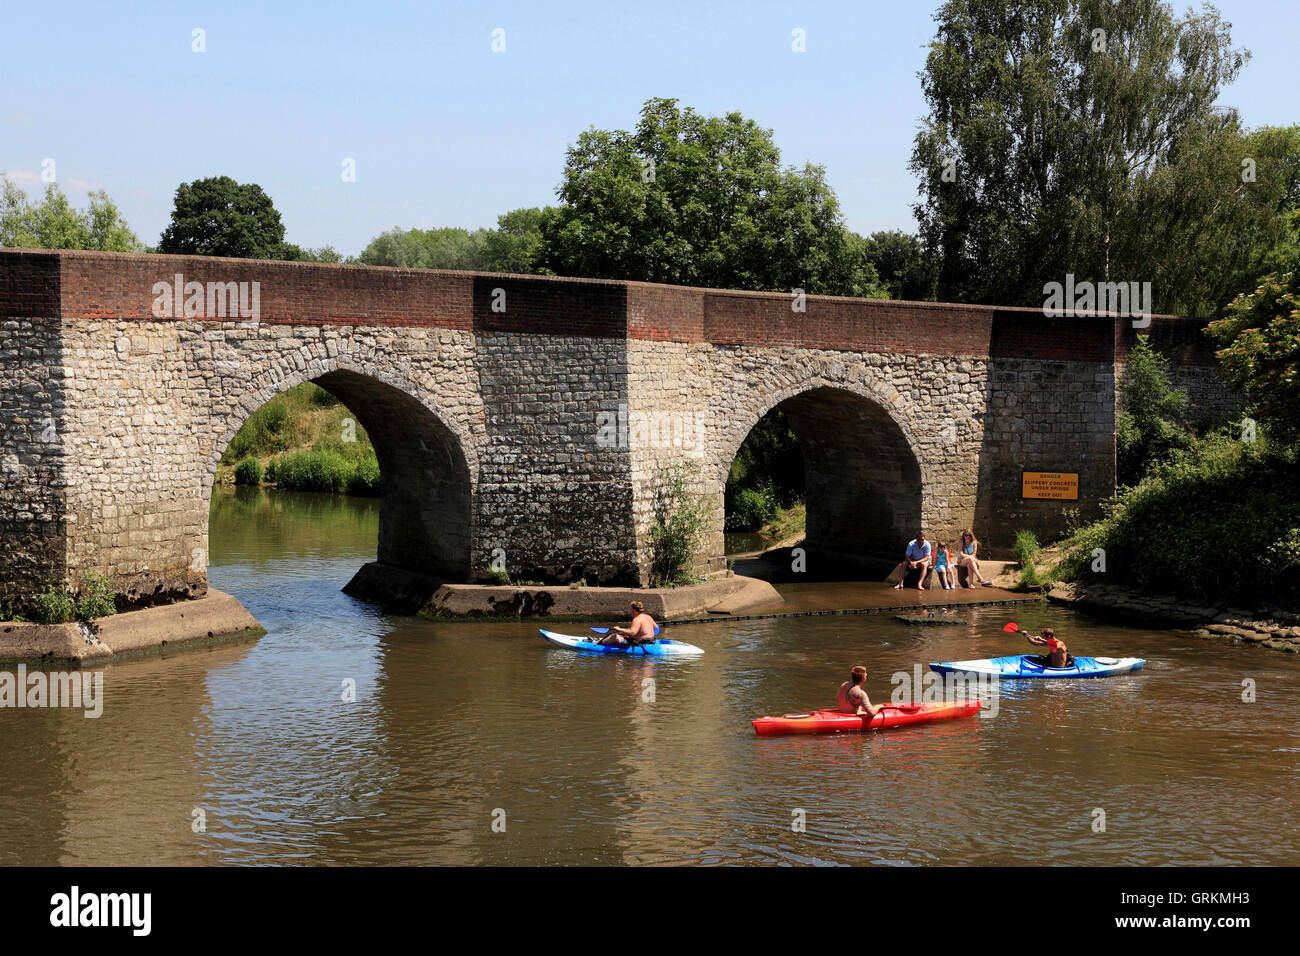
527	417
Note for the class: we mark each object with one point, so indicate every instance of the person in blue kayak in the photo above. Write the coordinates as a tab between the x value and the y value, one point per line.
640	631
851	698
1058	655
916	556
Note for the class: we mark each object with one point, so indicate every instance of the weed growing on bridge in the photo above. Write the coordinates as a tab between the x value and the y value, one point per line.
58	605
683	518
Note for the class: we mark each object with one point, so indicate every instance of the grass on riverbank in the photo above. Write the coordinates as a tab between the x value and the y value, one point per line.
303	440
1220	521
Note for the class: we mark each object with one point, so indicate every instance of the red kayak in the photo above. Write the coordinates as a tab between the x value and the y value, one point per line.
892	715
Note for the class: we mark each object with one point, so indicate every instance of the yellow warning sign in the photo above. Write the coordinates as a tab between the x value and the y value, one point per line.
1053	485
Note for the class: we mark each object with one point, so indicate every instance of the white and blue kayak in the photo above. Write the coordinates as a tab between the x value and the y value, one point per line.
659	648
1029	665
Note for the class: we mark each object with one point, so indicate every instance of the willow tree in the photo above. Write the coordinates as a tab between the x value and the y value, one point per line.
1057	132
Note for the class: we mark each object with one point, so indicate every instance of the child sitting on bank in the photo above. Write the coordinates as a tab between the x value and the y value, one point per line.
943	567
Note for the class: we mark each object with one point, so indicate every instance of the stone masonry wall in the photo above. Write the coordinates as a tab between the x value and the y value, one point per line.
483	395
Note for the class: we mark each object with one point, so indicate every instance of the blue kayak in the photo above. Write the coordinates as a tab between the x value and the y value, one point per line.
1029	665
660	648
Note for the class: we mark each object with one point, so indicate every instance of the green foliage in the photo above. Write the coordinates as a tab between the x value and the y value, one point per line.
1027	552
58	605
499	576
220	217
1045	154
512	247
54	224
322	470
248	472
683	518
1026	548
751	509
98	598
1149	429
701	201
1218	522
303	416
901	262
768	467
364	481
55	605
1260	336
516	243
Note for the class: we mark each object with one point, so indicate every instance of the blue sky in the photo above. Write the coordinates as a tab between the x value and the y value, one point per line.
447	133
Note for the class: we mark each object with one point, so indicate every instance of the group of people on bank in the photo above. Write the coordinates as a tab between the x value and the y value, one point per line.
921	556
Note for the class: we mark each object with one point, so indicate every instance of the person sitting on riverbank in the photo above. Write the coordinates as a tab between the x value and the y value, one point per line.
640	631
851	698
916	556
967	559
944	568
1058	655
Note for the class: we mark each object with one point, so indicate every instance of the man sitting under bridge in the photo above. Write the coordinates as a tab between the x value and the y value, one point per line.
917	556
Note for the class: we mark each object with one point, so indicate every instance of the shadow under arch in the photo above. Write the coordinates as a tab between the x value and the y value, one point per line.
426	491
863	480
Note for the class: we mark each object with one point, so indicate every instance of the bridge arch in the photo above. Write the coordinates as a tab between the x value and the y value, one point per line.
428	461
865	475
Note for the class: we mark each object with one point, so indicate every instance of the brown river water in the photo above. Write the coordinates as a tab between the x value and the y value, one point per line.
456	727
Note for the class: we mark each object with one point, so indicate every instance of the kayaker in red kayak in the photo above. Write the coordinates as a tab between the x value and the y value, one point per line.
640	631
1058	655
851	698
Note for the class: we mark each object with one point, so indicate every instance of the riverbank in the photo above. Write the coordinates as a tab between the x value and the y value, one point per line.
214	617
1274	628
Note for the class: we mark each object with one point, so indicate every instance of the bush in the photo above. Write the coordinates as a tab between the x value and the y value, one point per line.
313	471
1149	429
1220	522
751	509
248	472
98	598
365	478
1026	550
682	520
55	605
321	397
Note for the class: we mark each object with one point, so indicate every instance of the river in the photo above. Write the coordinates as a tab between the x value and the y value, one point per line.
477	743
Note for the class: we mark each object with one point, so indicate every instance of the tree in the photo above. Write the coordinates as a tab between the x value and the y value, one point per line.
516	243
220	217
700	200
901	262
54	224
1047	117
1260	335
448	248
1150	426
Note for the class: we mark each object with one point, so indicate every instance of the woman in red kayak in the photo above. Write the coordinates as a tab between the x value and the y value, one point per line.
1058	655
851	698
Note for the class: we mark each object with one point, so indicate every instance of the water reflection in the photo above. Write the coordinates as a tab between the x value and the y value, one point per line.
455	723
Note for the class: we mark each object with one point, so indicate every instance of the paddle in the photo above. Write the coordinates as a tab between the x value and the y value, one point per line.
606	630
1011	627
